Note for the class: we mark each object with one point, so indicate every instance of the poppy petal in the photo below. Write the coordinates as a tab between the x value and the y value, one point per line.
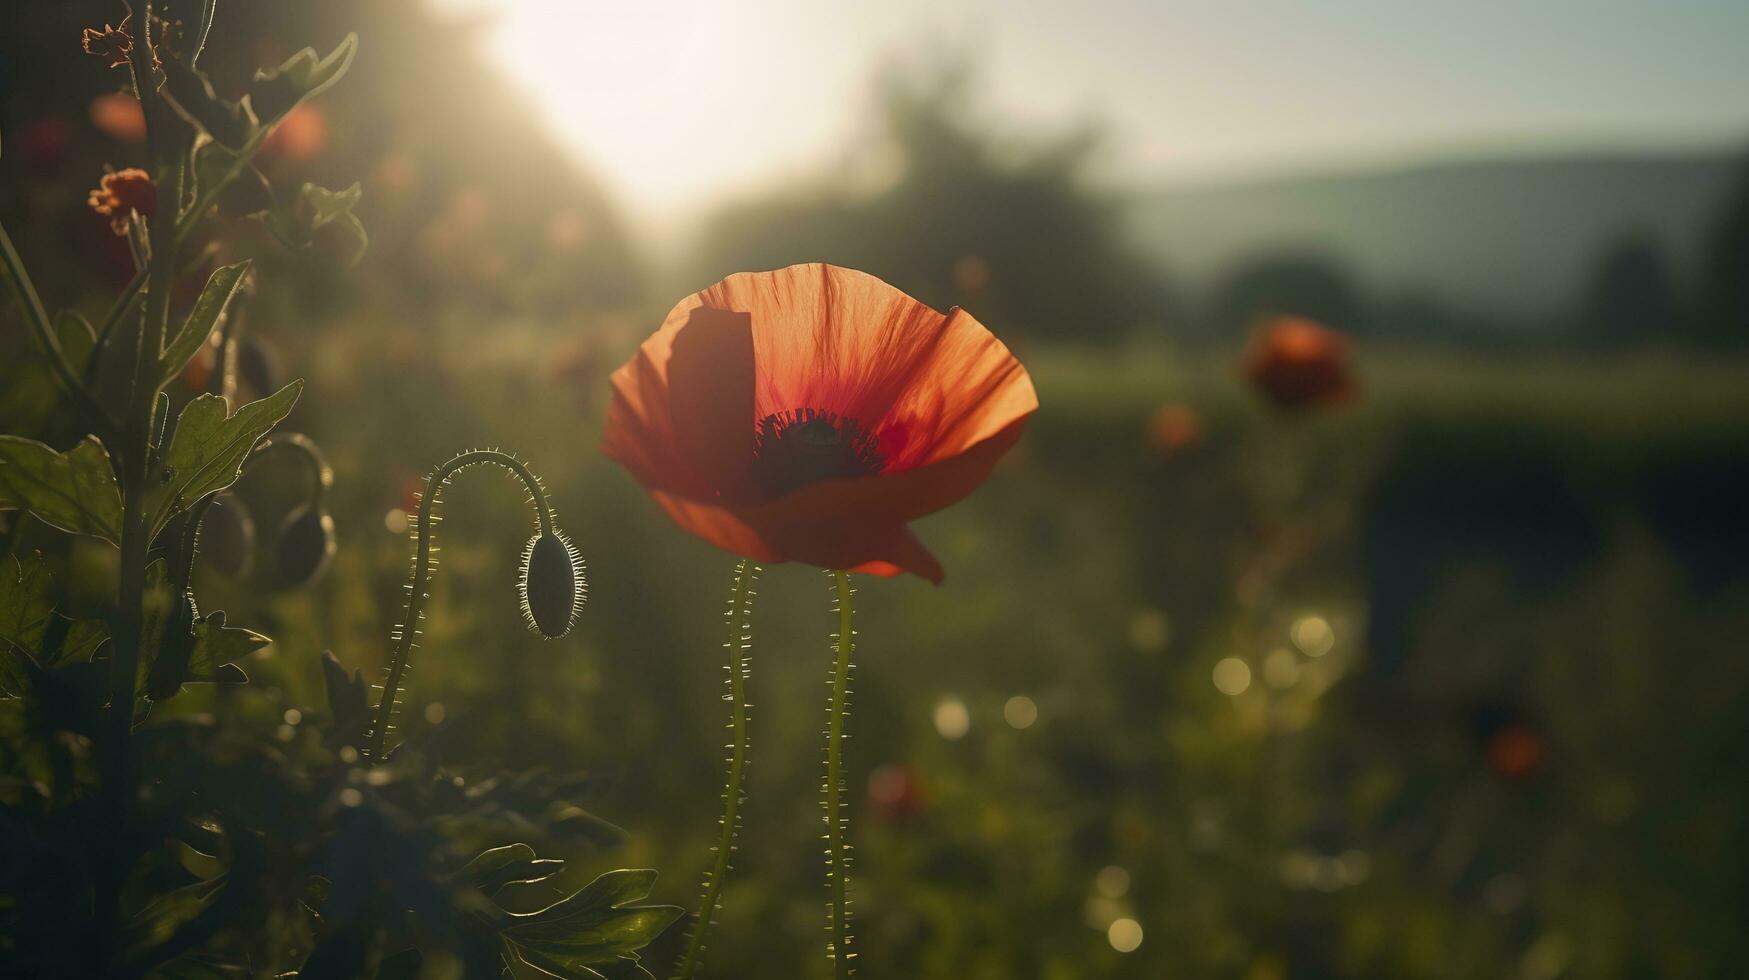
900	497
710	397
833	339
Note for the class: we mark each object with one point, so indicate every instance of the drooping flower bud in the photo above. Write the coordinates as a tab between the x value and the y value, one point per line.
553	589
227	536
306	543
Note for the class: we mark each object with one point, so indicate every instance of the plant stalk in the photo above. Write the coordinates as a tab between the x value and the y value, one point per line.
422	574
739	641
838	862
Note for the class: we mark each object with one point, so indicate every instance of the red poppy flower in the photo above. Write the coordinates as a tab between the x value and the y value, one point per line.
808	414
1297	362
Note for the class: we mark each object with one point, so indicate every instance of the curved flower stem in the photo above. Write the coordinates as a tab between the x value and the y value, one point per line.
740	640
838	862
416	595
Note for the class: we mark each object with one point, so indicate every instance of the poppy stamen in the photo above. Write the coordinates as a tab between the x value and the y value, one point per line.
807	445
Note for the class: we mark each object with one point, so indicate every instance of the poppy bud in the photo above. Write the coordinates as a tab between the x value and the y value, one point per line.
552	586
306	542
227	536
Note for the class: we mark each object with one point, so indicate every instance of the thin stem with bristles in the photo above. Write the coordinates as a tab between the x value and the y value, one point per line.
416	594
837	861
738	643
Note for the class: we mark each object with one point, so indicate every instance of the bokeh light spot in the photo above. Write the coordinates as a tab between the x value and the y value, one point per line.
435	712
1313	635
1020	711
396	521
1232	676
952	720
1125	935
1112	881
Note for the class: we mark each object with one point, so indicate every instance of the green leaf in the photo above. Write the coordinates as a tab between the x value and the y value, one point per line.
597	925
26	602
508	865
316	208
208	308
26	607
207	453
157	922
191	95
74	491
217	646
277	91
77	338
547	966
82	642
348	702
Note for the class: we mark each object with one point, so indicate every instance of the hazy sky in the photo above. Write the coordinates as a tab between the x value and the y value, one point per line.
674	102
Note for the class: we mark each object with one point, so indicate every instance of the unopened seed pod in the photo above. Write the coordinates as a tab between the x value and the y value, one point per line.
227	536
552	587
306	543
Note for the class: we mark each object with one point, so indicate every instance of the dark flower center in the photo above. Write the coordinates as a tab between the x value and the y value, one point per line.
795	448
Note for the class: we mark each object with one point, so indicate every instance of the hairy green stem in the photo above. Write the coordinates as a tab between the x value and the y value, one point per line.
135	466
737	644
838	862
422	573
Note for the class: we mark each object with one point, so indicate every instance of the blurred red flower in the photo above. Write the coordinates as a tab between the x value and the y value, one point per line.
46	144
1515	751
1297	362
808	414
118	116
894	792
123	193
302	134
1173	427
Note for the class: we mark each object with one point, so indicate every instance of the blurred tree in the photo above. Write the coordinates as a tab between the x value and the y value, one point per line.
1007	227
1723	313
1294	282
1630	298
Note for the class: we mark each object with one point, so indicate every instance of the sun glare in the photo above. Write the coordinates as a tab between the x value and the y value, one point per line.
673	102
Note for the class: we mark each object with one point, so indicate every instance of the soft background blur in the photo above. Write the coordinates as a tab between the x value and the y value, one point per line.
1447	681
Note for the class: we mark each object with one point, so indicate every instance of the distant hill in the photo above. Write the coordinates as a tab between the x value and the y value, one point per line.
1504	238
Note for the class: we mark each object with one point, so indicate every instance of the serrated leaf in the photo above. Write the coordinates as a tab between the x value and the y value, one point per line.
217	646
511	864
221	286
314	208
596	925
26	601
207	453
26	607
277	91
546	966
156	923
348	702
82	642
74	491
191	95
